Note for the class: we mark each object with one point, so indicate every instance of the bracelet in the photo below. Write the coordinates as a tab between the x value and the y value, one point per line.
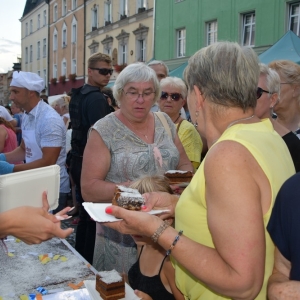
174	242
163	226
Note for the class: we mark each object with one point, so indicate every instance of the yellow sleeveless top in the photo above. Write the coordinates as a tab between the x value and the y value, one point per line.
270	151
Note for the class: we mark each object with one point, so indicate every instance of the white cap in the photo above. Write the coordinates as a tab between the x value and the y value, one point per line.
28	80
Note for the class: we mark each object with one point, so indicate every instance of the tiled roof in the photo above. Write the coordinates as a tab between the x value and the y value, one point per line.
30	5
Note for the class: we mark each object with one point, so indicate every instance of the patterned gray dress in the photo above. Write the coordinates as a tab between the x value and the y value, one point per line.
131	158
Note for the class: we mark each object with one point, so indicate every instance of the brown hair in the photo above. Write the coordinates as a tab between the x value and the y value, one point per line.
149	184
7	124
98	57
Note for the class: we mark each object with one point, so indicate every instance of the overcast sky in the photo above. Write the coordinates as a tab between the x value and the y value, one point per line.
10	32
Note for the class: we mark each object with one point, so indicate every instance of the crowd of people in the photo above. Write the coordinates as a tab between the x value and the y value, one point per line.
235	226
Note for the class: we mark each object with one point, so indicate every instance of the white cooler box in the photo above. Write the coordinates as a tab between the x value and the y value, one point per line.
26	188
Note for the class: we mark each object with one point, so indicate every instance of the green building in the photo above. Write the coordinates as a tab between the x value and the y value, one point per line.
184	26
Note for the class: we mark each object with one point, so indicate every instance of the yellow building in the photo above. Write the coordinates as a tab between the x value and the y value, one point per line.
122	29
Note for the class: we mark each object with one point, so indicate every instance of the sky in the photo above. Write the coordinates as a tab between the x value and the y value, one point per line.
10	32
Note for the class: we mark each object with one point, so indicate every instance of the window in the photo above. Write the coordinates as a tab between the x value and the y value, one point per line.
26	29
123	54
64	36
181	43
39	73
74	66
94	18
74	4
45	18
107	12
44	47
45	76
294	17
64	8
38	50
55	40
54	71
30	53
31	27
74	30
248	29
55	13
38	21
141	4
211	32
26	55
123	9
141	50
63	67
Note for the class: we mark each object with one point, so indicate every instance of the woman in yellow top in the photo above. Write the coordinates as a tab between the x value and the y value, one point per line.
224	251
172	99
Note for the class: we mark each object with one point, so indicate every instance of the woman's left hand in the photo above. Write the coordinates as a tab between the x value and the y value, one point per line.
132	222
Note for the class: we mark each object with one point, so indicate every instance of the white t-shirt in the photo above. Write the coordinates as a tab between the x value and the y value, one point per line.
5	114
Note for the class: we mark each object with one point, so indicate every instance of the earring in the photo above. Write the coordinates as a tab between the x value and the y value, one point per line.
196	123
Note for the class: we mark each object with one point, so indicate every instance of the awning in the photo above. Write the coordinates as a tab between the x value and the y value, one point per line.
288	47
178	72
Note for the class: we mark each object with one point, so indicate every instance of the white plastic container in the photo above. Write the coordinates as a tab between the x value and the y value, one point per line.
26	188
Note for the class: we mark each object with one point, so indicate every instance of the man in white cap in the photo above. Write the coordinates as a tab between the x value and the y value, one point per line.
43	132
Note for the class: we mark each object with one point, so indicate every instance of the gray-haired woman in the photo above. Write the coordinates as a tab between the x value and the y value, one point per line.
123	146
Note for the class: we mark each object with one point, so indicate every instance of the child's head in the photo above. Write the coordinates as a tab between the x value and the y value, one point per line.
150	184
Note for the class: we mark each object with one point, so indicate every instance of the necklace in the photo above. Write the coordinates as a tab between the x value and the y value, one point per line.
177	119
143	134
239	120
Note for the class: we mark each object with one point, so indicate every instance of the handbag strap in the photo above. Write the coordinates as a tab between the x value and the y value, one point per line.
165	123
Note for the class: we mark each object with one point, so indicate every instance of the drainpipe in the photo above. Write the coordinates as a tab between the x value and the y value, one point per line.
48	54
84	41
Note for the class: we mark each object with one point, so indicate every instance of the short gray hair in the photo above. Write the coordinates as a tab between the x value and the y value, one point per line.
137	72
225	73
289	70
175	82
272	77
159	62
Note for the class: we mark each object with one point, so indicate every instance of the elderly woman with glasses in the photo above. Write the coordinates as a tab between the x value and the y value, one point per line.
287	108
220	246
268	92
125	145
172	99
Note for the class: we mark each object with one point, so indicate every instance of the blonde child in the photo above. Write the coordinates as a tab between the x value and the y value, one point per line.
152	276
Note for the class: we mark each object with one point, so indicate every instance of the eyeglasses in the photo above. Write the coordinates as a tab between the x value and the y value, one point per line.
135	95
260	91
103	71
173	96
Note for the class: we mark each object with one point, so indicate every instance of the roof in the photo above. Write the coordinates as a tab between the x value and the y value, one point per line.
288	47
31	5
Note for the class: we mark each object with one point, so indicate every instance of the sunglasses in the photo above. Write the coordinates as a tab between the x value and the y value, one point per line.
260	91
174	96
103	71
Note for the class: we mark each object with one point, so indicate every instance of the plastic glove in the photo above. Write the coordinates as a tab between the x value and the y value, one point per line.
6	168
2	157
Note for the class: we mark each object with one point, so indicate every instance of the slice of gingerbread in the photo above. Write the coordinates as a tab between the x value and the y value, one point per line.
128	198
177	176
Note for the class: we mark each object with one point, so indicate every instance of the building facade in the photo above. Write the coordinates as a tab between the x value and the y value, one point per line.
34	38
66	45
184	26
122	29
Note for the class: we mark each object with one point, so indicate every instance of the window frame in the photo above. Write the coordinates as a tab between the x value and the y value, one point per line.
107	12
30	53
64	67
38	50
55	71
26	55
74	4
123	8
290	16
64	8
94	18
55	13
31	26
39	21
44	47
74	32
26	29
45	18
55	40
180	42
64	36
245	25
74	66
123	54
213	32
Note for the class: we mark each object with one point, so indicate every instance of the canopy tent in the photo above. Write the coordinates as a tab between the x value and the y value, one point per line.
288	47
178	72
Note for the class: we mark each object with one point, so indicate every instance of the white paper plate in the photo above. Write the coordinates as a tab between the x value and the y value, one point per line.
97	212
90	286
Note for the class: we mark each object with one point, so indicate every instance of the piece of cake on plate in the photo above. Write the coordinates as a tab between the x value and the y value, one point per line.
110	285
128	198
177	176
